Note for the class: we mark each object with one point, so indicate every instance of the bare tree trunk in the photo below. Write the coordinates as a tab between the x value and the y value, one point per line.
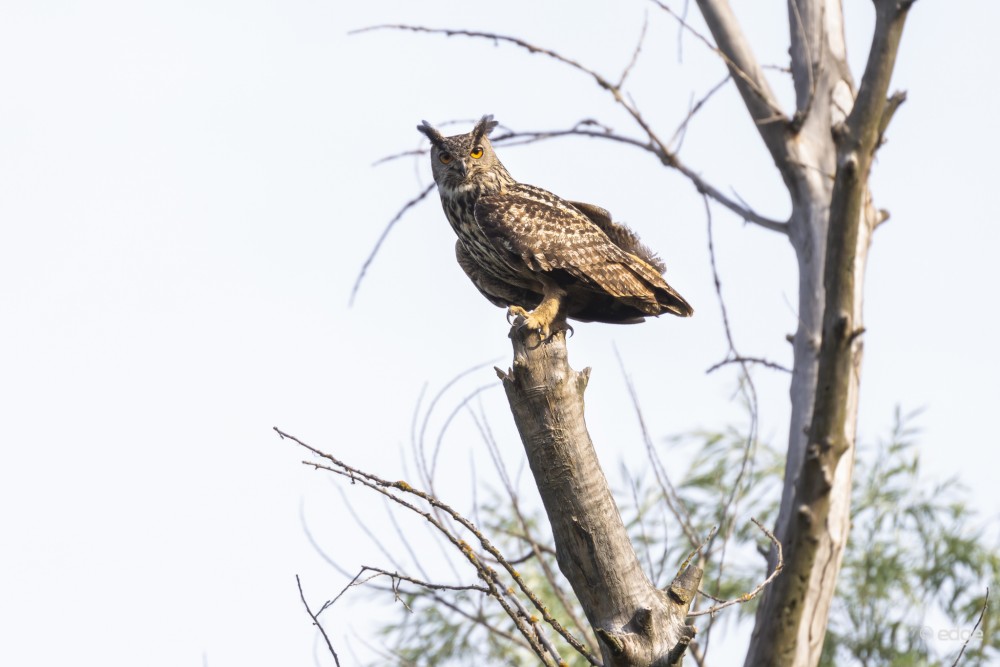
824	153
637	623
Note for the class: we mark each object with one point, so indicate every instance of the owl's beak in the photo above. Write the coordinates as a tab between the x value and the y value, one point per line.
463	168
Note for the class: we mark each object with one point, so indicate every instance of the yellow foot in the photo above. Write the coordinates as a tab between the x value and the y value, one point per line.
514	312
539	320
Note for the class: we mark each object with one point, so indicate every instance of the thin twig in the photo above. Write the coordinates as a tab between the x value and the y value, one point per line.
363	525
667	158
640	517
635	54
385	232
315	543
748	360
777	114
495	38
451	417
490	576
655	144
315	620
750	394
396	156
986	603
746	597
667	489
681	130
680	32
381	486
699	547
396	576
425	470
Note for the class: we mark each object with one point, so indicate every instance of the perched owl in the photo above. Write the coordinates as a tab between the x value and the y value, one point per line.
542	257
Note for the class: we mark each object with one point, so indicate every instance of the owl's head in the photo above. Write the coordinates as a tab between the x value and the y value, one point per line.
466	161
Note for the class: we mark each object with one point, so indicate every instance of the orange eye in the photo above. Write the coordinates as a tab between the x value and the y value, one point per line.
445	158
476	153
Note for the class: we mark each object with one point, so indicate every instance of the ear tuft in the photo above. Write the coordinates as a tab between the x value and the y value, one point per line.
435	137
483	128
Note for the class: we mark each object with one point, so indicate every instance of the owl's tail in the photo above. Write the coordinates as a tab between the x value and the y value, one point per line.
672	302
667	300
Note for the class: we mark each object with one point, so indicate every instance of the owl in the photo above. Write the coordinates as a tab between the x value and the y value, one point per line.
543	258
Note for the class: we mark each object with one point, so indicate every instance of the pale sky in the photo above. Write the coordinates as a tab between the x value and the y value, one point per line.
187	195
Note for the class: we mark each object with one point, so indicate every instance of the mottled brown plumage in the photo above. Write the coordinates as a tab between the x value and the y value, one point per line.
528	250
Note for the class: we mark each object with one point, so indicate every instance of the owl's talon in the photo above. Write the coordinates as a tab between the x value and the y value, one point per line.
514	312
533	325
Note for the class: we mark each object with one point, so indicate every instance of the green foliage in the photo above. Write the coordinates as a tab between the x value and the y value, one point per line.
918	560
917	565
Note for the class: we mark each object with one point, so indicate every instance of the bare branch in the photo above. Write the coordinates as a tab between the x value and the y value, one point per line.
641	519
748	360
381	486
425	470
667	490
396	156
479	619
738	58
316	546
746	597
495	38
315	620
699	547
748	215
668	159
488	574
749	391
450	418
655	144
538	550
397	577
385	232
891	105
363	526
986	603
635	54
681	130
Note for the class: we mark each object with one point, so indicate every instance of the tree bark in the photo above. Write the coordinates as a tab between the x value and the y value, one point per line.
637	623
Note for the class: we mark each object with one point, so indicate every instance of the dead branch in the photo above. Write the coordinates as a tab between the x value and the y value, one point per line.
740	62
667	489
538	550
761	586
965	644
385	232
760	361
315	620
750	394
681	130
635	54
495	586
667	157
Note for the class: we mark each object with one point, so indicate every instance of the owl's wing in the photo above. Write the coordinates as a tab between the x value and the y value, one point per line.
621	235
547	233
599	216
